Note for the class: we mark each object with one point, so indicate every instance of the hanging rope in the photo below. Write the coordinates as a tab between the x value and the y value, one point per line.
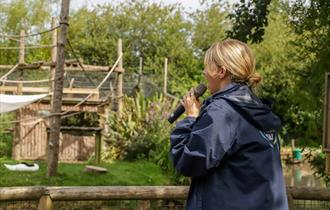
27	47
25	81
65	113
9	72
80	64
29	35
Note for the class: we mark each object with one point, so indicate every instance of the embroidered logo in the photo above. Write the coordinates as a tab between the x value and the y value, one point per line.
270	137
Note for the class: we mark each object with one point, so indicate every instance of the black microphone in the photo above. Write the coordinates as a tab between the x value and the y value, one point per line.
198	91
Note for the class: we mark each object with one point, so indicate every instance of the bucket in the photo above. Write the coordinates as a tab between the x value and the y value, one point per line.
297	154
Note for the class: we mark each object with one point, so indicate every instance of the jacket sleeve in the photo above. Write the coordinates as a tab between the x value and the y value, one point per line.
198	145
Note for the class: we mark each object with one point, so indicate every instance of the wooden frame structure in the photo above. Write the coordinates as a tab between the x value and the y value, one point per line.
30	133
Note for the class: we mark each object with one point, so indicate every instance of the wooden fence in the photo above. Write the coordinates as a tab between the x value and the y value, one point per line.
46	195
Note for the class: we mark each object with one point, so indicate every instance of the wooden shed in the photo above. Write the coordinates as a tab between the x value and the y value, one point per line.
31	138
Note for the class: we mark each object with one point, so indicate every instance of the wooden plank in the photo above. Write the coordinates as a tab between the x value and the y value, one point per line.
95	169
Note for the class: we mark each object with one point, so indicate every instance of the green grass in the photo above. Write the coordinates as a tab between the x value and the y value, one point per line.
72	174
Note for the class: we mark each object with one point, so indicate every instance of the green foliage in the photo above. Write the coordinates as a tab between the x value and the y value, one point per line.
249	20
317	160
84	119
6	137
5	144
32	16
142	132
149	30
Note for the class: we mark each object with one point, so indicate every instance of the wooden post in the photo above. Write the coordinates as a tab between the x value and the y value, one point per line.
119	90
293	146
54	55
45	203
98	146
290	200
140	74
326	123
165	77
16	153
21	59
55	121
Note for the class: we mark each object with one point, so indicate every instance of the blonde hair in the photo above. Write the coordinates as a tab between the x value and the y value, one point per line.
237	58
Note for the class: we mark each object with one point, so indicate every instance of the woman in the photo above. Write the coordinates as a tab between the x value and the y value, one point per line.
229	145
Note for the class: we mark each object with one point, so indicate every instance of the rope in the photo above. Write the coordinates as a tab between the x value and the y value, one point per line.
64	114
9	72
17	40
27	47
25	81
80	64
112	69
98	87
29	35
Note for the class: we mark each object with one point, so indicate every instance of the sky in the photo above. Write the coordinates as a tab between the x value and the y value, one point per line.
189	5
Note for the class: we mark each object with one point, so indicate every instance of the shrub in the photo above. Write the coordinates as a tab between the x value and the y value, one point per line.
142	132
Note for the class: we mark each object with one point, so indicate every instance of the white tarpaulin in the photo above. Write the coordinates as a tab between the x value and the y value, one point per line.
10	103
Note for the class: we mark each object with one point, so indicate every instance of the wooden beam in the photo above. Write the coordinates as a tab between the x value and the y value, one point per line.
21	193
132	193
118	193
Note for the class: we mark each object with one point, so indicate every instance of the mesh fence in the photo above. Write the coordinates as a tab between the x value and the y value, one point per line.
19	205
310	205
137	205
98	205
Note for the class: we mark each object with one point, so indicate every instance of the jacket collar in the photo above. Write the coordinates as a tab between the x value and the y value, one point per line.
229	88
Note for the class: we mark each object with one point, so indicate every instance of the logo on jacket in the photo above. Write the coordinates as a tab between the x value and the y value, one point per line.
270	137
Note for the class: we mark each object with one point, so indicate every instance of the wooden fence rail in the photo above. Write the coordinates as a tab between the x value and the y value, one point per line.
46	195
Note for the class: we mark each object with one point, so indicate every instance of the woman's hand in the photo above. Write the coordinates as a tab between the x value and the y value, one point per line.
191	104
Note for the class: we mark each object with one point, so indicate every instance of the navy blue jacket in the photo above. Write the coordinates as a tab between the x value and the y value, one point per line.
231	151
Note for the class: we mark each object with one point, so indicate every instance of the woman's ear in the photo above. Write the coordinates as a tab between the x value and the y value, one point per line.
222	71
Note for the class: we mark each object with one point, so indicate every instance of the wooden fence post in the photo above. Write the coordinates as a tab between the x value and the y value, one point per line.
98	146
16	153
119	90
290	201
45	203
165	77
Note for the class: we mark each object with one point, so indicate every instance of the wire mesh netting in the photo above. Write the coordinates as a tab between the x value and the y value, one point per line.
120	205
98	205
310	205
19	205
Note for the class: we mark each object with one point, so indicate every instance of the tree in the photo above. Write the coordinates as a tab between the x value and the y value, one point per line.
249	19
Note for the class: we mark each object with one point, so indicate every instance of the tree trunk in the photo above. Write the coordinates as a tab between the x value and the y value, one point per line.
55	121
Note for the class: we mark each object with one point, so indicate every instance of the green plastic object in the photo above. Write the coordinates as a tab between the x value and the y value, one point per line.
297	154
